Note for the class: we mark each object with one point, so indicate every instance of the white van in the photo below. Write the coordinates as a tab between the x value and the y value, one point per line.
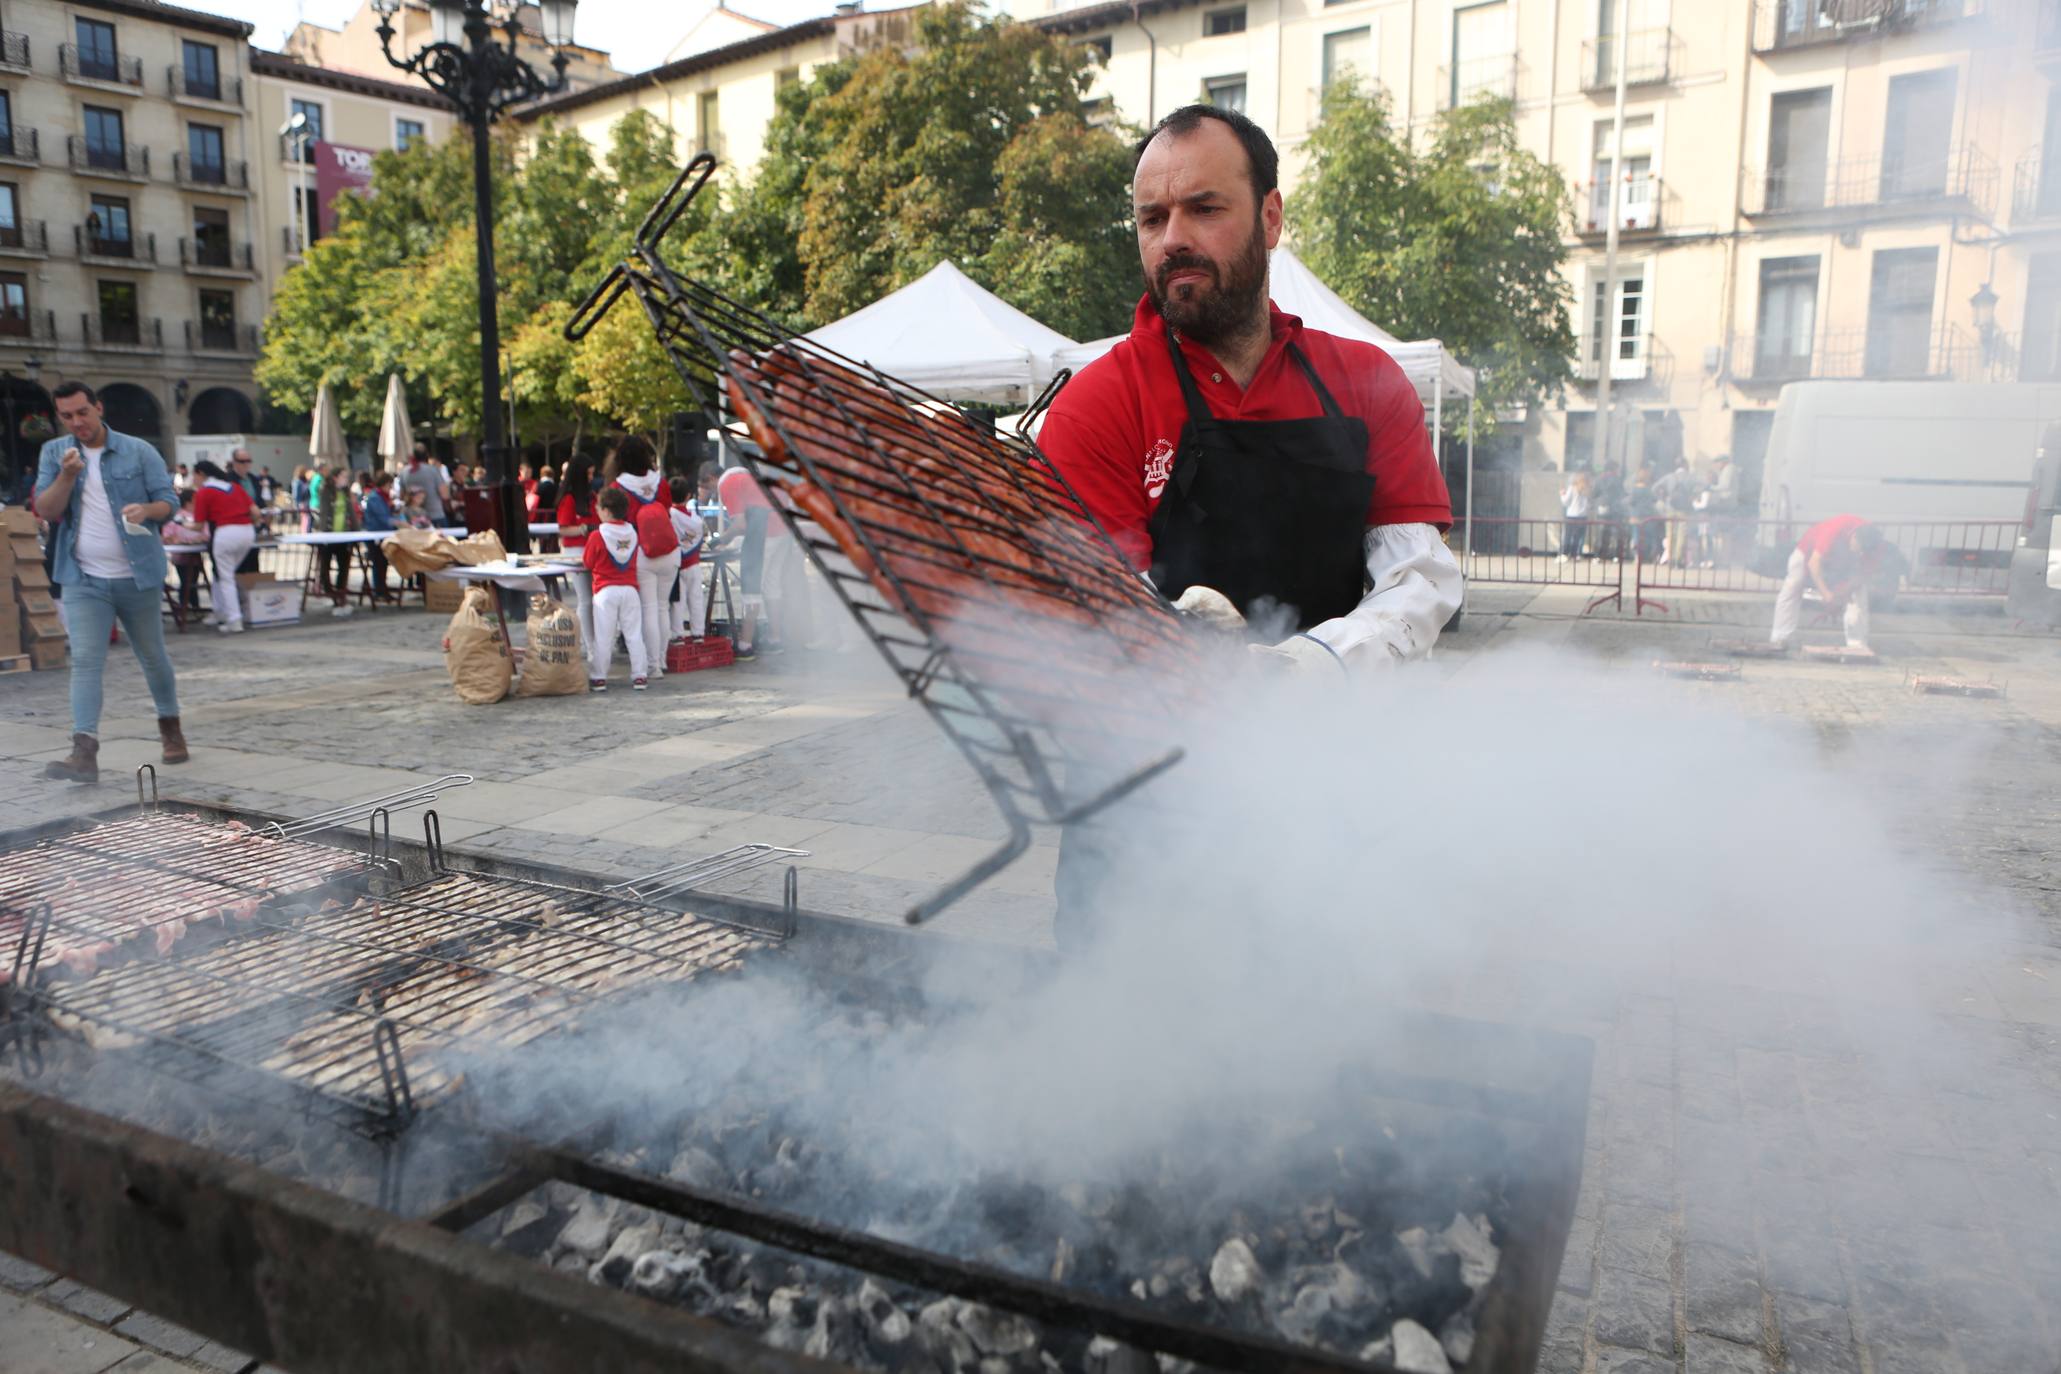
1904	450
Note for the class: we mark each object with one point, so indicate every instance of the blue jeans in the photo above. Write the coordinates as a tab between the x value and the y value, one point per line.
91	607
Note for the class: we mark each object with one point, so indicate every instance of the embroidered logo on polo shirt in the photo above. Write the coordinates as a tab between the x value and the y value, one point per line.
1159	465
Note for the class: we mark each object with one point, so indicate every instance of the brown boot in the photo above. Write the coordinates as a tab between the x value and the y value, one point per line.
82	766
174	739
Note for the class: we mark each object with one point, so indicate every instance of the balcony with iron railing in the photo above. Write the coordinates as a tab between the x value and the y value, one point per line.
239	340
124	162
94	69
216	257
25	239
1883	353
1779	25
1478	77
184	86
210	174
290	240
25	329
123	336
21	146
2035	189
1635	358
1640	200
14	51
1964	181
108	250
1648	59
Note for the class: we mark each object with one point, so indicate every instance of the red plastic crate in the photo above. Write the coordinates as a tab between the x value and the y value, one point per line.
710	652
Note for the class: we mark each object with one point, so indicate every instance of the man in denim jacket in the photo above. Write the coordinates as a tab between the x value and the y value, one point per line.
106	495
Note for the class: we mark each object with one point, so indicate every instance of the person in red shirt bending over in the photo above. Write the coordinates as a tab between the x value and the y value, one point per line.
1224	445
225	508
611	559
1836	556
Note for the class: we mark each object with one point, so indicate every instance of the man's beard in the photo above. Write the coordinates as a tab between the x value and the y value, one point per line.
1232	304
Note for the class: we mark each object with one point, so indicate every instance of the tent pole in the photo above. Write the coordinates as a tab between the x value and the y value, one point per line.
1467	535
1438	415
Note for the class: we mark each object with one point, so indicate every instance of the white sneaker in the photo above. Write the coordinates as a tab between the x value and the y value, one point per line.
229	627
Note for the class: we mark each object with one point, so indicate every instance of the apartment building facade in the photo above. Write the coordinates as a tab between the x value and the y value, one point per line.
346	119
127	220
1804	188
354	46
722	100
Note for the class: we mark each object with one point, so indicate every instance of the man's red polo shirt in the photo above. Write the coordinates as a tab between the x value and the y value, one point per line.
1113	430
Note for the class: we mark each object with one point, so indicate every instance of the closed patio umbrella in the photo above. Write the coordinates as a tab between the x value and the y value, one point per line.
396	436
326	442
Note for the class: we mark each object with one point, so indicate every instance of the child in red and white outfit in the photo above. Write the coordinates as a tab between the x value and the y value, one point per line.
637	477
611	558
690	607
225	507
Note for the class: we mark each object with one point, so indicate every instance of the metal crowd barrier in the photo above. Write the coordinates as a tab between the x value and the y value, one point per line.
1740	556
1733	555
1552	553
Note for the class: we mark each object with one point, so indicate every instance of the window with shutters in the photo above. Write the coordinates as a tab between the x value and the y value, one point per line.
1900	312
1786	327
1349	52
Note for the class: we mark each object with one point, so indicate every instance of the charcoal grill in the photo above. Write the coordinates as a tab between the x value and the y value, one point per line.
341	1284
960	551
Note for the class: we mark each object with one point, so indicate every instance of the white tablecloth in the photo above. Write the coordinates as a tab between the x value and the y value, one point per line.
335	537
520	577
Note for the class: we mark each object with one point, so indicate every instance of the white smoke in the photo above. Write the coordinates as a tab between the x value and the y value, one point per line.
1528	842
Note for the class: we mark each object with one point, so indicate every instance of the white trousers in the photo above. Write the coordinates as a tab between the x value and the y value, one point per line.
690	612
583	605
654	583
618	611
231	544
1789	606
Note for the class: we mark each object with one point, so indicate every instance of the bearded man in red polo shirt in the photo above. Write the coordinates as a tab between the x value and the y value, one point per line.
1223	445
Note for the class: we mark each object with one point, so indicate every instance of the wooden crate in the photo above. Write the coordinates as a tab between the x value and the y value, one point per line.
50	653
444	596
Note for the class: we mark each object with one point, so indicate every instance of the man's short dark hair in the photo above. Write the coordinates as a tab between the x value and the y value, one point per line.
76	388
1260	157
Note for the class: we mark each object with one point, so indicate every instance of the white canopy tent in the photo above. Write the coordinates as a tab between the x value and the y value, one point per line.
947	334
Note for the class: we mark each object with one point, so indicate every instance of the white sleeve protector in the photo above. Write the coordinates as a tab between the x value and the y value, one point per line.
1417	585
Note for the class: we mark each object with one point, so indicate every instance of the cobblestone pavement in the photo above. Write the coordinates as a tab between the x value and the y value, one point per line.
1754	1197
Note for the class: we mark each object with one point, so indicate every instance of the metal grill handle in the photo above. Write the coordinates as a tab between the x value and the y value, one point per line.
421	794
692	873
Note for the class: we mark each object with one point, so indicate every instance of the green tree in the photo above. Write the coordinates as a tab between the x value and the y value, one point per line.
1459	240
914	157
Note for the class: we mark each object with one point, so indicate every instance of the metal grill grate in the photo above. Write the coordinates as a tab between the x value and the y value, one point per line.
365	1007
961	552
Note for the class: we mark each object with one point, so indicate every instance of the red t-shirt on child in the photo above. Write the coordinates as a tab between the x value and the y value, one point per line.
607	572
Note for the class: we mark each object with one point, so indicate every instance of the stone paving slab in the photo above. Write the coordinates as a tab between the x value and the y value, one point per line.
1756	1195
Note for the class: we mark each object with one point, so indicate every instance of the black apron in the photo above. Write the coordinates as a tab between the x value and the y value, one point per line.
1266	510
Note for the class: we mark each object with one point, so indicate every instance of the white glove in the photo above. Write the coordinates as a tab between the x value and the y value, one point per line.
1300	656
1211	608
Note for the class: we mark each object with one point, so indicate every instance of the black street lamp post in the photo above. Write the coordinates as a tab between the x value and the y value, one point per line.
470	67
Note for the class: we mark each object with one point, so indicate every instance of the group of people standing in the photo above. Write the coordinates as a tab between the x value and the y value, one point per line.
639	538
1677	515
